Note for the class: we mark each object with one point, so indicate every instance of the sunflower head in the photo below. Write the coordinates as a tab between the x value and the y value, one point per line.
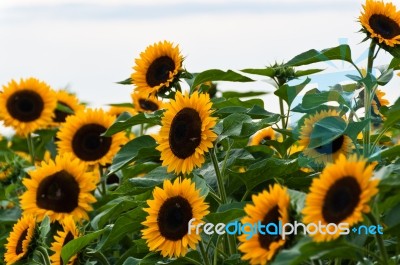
186	132
328	152
340	195
262	135
27	105
59	189
270	206
145	103
20	239
381	22
68	233
67	100
157	69
81	136
166	226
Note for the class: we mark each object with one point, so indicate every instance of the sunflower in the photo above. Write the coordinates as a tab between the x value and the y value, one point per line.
118	110
169	213
186	132
262	135
66	99
381	21
19	239
378	102
27	105
59	189
81	136
145	103
340	195
68	233
6	170
157	68
269	207
330	151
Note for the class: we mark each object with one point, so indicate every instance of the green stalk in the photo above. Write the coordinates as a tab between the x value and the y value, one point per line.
99	257
379	240
192	261
284	123
220	181
368	95
44	255
31	148
141	131
204	254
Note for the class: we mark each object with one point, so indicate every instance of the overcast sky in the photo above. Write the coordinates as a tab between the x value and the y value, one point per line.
88	45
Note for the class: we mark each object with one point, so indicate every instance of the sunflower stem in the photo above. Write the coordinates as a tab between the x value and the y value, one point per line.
282	110
99	257
44	255
141	131
204	254
192	261
215	259
220	180
379	239
368	94
31	148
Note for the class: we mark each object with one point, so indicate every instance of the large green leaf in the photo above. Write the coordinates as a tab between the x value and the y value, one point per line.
242	94
326	130
227	213
314	98
268	71
393	115
220	103
142	148
354	128
341	52
255	112
289	93
219	75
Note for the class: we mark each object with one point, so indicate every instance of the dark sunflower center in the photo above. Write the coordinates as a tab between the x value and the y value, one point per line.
58	192
87	143
271	217
19	249
159	70
185	133
25	105
61	116
173	218
148	105
384	26
112	179
341	200
331	147
67	238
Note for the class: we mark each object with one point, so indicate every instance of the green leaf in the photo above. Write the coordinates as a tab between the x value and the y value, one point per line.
227	213
268	71
76	245
256	112
44	227
394	51
289	93
64	108
393	115
390	153
142	148
395	63
297	199
341	52
354	128
236	94
201	185
326	130
127	81
301	73
235	102
219	75
385	77
314	98
122	123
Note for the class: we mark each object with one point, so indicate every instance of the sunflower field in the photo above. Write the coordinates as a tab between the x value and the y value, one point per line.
187	173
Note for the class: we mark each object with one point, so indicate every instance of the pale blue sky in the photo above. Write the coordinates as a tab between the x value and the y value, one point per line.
88	45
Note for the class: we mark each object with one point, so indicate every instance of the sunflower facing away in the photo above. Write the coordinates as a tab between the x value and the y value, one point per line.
340	195
330	151
68	100
262	135
145	103
68	233
378	102
81	136
27	105
269	207
186	132
157	68
19	239
166	226
381	21
59	189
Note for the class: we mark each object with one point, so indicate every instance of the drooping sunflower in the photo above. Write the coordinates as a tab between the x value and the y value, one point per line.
169	213
68	233
157	68
269	206
340	195
262	135
381	21
59	189
118	110
330	151
19	239
81	136
27	105
145	103
186	132
68	100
